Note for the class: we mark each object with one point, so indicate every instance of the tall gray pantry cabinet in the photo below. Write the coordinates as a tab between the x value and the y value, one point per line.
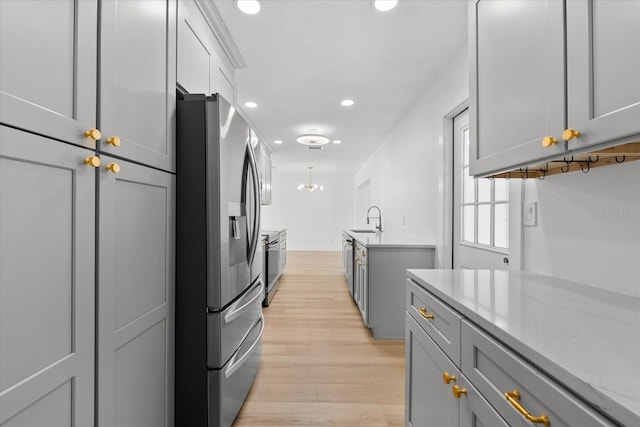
86	255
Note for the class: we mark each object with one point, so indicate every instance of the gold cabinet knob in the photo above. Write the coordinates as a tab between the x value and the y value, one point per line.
93	161
113	167
447	378
458	391
569	134
114	140
423	313
93	133
548	141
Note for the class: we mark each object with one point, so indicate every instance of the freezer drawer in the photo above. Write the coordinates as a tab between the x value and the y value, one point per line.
229	386
227	329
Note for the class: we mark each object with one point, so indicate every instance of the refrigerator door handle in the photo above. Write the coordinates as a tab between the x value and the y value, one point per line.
235	365
255	235
238	311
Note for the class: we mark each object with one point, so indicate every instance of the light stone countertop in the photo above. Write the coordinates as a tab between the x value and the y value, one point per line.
586	338
388	240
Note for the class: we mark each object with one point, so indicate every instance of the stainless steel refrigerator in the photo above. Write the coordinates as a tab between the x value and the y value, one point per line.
219	284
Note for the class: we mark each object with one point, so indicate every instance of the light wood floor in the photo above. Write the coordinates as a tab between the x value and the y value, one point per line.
320	365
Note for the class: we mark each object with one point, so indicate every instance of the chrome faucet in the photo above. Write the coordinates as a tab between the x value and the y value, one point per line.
379	217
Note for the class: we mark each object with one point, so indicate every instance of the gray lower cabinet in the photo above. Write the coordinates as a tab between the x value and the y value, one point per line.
137	80
493	386
48	57
379	285
47	255
496	372
565	82
433	381
425	389
135	296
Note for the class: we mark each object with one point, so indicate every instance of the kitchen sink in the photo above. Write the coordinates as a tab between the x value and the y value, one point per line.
365	231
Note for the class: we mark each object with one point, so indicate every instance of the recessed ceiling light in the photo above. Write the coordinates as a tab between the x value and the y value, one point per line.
347	102
250	104
385	5
277	141
250	7
337	141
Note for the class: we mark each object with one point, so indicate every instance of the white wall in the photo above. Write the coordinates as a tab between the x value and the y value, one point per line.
407	172
588	227
314	220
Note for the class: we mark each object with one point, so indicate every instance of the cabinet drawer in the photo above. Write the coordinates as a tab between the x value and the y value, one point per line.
495	370
444	325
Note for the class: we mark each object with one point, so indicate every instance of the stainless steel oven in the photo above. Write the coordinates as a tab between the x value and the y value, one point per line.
271	265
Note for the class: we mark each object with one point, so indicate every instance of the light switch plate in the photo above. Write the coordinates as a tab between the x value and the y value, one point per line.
530	214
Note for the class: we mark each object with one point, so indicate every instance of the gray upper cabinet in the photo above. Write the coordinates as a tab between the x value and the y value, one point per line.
603	41
522	111
203	66
517	86
136	295
48	67
137	80
47	223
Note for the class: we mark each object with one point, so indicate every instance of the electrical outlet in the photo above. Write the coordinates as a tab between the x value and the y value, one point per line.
529	217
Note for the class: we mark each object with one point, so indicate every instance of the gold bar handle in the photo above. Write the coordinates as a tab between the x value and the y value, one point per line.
423	313
514	398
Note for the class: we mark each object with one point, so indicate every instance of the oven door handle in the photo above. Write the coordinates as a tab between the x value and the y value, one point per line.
237	312
235	365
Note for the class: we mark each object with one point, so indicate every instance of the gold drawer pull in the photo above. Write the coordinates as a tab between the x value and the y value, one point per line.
514	398
423	313
447	378
458	391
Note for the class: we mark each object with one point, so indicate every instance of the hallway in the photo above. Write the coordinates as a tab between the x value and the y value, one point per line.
320	366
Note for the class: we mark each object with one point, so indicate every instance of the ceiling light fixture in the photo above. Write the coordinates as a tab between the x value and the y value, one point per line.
277	141
347	102
385	5
337	141
250	7
310	186
312	139
250	104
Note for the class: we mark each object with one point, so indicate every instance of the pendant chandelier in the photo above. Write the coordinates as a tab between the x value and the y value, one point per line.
310	186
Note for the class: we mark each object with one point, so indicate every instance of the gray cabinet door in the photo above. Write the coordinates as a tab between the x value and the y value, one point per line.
428	400
136	282
47	223
603	41
517	88
138	80
475	411
48	67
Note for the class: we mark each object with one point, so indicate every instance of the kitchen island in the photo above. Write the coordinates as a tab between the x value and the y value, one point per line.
380	261
571	351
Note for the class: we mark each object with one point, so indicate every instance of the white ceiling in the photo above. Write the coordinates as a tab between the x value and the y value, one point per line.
304	56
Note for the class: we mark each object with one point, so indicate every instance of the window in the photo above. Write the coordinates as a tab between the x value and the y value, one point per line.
484	205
